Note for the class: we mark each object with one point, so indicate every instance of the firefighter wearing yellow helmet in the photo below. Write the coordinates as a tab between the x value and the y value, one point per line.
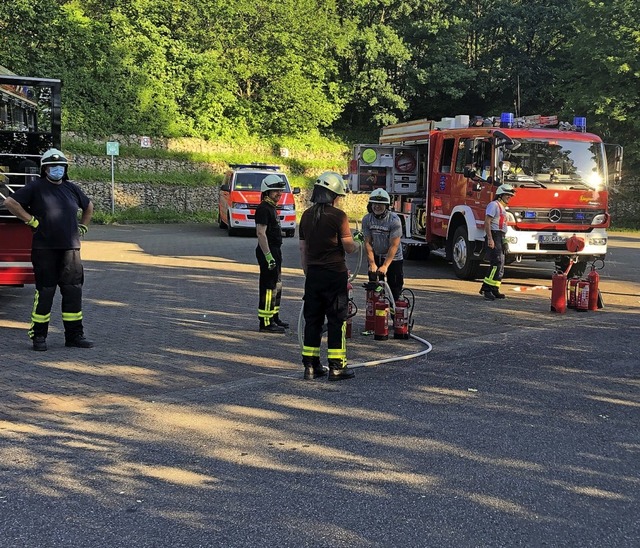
325	236
49	205
495	228
269	255
382	231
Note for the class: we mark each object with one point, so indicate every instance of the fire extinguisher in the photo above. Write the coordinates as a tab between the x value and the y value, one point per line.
573	284
559	292
582	295
381	329
374	293
594	280
401	319
352	310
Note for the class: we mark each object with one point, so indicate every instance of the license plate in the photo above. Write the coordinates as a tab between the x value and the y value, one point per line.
551	239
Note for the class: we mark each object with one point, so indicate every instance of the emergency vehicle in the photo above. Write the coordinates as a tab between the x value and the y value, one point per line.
441	176
29	125
240	195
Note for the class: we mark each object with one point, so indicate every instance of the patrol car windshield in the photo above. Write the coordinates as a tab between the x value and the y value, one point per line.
572	164
252	181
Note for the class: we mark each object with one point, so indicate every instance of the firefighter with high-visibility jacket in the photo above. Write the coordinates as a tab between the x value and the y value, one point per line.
495	227
325	236
49	204
269	255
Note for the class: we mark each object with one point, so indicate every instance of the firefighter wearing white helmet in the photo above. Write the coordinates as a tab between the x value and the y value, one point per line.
382	231
49	205
325	236
269	255
495	228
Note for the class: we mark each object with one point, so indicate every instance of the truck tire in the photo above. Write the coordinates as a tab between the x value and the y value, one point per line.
464	265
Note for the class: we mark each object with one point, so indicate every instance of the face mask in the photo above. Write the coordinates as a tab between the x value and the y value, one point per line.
55	173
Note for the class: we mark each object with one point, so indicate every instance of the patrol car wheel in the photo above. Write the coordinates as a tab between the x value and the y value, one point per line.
231	231
221	223
290	233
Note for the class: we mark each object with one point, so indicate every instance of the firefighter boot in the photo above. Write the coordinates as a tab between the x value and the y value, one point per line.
38	334
339	372
487	291
39	343
312	368
74	334
276	319
270	327
497	294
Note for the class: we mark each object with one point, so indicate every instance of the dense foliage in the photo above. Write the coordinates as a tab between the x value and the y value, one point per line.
218	69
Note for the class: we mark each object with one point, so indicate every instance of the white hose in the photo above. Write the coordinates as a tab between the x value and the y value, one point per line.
396	358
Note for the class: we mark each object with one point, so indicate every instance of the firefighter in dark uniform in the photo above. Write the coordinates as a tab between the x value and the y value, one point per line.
269	255
495	227
49	205
325	236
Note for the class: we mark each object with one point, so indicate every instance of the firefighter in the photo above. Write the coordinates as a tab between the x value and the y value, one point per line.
382	231
325	236
49	205
495	227
269	255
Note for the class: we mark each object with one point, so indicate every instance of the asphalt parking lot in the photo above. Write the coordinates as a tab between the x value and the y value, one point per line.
184	426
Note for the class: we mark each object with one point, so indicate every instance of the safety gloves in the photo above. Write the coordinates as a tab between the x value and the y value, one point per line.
82	230
358	237
271	262
33	223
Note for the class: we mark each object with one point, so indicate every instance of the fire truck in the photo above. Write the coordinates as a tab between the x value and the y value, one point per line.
441	176
29	125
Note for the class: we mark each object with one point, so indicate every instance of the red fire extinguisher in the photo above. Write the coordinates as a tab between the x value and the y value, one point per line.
401	319
381	329
559	292
582	295
594	280
573	284
374	293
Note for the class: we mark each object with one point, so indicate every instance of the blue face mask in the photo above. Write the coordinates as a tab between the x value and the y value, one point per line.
55	173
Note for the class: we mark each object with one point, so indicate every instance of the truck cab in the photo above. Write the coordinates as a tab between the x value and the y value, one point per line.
240	195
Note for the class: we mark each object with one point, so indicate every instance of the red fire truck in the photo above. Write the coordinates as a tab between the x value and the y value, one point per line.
441	176
29	125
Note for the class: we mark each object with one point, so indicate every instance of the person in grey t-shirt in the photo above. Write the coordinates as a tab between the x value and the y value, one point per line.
382	231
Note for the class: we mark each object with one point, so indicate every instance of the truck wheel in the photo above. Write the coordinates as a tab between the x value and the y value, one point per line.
464	265
408	252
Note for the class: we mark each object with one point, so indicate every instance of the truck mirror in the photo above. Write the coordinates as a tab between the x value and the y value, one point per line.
296	190
225	188
469	172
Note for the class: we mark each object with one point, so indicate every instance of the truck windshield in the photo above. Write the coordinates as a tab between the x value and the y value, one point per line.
567	163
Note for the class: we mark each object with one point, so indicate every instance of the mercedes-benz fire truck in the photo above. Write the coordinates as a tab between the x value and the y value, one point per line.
441	176
29	125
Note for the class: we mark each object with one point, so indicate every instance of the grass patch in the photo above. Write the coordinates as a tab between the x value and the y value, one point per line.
151	216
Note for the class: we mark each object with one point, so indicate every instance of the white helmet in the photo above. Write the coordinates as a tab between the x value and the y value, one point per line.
53	157
379	196
505	189
332	181
272	182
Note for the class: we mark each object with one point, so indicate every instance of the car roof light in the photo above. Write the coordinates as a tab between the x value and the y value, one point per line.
580	122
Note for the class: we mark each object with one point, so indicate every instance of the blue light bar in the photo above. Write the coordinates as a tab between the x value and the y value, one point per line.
506	119
580	122
580	216
529	214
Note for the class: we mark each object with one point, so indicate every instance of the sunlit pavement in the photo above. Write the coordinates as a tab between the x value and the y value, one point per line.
184	426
